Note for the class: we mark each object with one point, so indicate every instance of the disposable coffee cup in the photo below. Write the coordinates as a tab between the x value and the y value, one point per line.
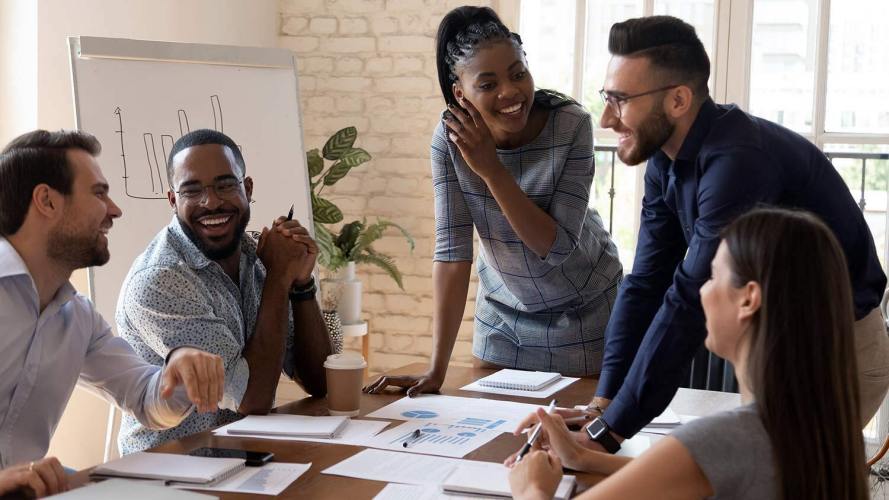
345	377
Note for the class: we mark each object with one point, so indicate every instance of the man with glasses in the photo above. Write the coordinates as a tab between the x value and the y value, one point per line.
204	282
707	164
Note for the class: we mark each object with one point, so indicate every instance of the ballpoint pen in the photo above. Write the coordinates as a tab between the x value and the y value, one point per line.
413	437
290	213
533	437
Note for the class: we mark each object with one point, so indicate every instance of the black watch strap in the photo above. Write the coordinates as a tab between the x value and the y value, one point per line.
600	432
305	292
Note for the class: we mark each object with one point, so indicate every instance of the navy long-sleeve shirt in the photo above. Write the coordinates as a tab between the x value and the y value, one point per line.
729	162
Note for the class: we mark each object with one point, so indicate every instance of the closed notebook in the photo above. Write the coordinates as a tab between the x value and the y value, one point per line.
289	425
171	467
492	479
519	380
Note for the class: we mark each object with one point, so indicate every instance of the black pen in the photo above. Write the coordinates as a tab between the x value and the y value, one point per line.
413	437
290	213
536	432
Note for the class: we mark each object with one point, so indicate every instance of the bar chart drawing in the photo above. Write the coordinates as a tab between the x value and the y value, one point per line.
148	181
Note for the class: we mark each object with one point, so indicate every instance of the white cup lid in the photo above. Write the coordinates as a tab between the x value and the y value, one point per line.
345	361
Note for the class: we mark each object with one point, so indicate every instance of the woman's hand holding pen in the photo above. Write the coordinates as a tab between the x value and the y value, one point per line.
555	436
470	133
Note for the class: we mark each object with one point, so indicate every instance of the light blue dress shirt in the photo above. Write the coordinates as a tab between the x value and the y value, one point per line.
42	354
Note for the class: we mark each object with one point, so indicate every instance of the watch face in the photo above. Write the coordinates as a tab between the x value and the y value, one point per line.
596	428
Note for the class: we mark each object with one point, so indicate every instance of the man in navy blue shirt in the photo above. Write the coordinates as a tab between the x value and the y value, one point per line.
707	164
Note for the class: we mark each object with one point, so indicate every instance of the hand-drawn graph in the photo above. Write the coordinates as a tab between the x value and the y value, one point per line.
149	179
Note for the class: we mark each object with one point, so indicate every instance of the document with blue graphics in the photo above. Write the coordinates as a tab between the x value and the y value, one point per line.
431	438
502	416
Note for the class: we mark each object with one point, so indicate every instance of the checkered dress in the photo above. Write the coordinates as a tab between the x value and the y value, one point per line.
533	313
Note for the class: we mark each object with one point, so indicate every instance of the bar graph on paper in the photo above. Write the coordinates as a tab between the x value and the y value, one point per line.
447	440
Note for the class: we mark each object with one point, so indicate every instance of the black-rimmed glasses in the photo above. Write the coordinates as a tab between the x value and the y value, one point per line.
616	101
223	187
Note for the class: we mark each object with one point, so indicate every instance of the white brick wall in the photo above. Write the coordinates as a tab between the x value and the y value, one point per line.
371	64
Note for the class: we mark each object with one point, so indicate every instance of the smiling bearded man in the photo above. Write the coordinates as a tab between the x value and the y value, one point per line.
203	282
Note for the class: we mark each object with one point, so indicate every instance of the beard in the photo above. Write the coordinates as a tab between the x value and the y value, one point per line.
650	136
214	250
75	249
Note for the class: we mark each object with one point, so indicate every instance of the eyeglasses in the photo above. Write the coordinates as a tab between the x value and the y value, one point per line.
224	188
616	101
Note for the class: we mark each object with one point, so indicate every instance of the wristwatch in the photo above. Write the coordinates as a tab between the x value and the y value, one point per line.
599	432
305	292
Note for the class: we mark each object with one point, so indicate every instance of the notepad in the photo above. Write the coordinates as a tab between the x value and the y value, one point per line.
289	425
491	479
519	380
171	467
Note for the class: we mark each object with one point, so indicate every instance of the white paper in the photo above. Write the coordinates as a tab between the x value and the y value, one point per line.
541	394
142	489
634	446
270	479
395	467
668	418
503	416
664	430
447	440
278	424
488	478
394	491
355	433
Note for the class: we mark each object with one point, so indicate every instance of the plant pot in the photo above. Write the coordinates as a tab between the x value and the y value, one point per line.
343	294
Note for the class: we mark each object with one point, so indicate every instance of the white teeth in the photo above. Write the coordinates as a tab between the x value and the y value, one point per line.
511	109
215	221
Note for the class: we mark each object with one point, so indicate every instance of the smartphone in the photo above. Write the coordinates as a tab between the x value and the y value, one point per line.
253	458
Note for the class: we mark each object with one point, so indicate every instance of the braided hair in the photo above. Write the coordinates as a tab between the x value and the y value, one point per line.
461	33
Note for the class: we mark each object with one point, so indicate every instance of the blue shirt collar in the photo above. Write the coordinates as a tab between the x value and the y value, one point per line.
12	264
695	138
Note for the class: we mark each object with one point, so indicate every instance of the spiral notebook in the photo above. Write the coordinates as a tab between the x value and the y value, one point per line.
171	467
519	380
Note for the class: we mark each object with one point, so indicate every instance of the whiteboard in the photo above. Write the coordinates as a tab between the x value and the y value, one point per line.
139	97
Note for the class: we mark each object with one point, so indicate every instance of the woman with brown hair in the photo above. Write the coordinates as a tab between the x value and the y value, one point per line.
778	306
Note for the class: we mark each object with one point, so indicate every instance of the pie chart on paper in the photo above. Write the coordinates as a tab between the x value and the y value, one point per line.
419	414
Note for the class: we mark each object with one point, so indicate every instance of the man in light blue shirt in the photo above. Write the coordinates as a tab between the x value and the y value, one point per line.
55	213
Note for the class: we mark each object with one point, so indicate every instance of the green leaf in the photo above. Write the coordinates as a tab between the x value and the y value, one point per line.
326	249
384	262
375	231
348	237
354	157
324	211
314	162
339	143
336	172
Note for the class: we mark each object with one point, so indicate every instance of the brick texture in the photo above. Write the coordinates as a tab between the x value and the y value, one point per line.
371	64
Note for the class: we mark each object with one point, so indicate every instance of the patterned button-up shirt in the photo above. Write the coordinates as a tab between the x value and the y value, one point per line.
42	354
175	296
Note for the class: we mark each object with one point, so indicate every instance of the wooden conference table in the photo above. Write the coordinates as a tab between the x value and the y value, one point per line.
314	484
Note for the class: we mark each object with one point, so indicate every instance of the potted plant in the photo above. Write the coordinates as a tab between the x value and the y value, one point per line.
340	251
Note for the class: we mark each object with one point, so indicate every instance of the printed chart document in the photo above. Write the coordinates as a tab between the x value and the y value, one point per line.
115	489
544	393
171	467
488	478
431	438
270	479
395	467
355	433
503	416
288	425
409	468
